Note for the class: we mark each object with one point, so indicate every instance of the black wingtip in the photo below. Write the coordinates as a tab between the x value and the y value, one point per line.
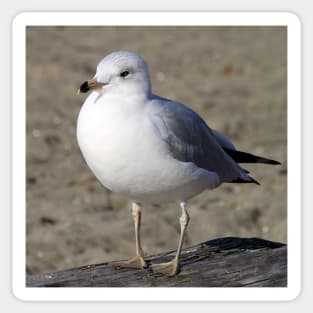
273	162
244	157
254	181
240	180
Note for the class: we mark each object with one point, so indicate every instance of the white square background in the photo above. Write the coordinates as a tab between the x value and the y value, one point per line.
169	294
9	9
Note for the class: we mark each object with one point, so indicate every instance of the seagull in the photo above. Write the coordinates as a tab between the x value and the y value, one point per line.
151	149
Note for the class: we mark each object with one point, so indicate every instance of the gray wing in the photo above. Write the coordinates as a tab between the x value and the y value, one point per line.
190	140
223	140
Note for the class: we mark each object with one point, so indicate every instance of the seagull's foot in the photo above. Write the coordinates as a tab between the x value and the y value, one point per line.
169	268
136	262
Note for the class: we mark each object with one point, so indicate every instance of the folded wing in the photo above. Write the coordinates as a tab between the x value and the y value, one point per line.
189	139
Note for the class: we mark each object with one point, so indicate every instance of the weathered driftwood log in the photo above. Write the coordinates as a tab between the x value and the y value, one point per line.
224	262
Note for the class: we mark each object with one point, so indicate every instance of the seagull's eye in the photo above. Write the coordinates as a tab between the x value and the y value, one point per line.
124	74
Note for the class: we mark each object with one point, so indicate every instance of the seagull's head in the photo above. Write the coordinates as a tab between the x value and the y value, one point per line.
120	72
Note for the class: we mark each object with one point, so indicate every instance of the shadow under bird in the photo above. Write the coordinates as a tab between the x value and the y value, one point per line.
151	149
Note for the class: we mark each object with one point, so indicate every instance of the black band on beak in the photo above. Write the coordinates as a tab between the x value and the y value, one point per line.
84	87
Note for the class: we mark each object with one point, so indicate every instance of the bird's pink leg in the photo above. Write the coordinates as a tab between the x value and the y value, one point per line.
138	261
171	268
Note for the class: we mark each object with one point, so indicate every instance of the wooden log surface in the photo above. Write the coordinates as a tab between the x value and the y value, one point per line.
223	262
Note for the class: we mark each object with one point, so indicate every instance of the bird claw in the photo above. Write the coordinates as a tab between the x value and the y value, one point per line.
136	262
168	269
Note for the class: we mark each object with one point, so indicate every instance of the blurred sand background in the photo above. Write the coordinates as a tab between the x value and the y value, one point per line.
235	77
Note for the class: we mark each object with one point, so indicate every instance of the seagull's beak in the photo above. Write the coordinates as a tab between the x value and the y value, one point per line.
89	85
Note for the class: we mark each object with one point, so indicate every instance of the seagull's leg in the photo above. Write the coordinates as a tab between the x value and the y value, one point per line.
171	268
138	261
